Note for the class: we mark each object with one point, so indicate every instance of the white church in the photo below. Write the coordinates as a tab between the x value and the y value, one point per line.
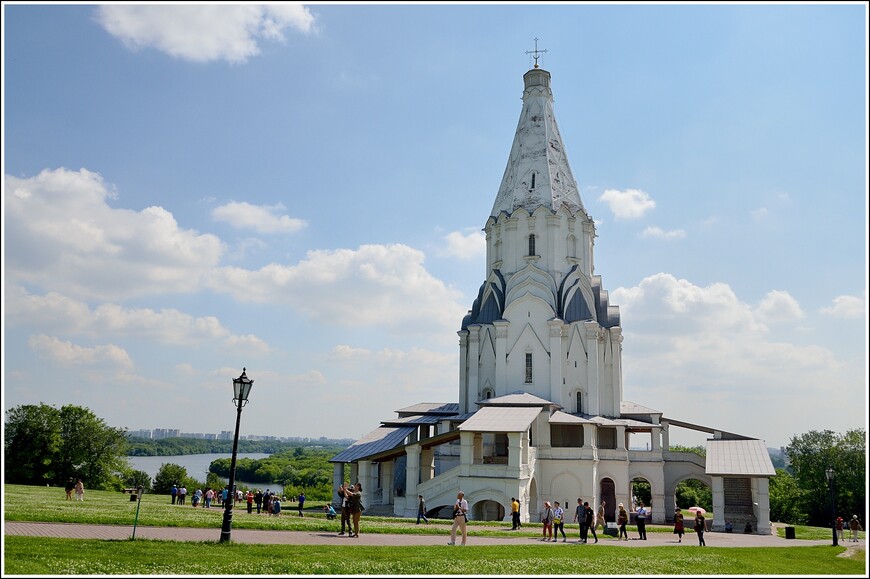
541	415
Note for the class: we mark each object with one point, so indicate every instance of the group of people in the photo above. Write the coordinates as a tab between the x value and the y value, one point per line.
700	526
853	525
179	494
77	487
351	507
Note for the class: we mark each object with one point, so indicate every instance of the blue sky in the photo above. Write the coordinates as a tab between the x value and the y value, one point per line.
300	190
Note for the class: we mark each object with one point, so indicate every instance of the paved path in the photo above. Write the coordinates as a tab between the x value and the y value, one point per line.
121	532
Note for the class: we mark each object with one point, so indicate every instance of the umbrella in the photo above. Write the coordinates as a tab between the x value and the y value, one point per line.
698	510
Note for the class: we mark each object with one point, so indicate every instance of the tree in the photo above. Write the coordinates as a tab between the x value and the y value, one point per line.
135	478
786	499
44	445
167	475
811	454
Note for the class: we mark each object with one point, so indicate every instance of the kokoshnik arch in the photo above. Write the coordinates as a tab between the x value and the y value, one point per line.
541	414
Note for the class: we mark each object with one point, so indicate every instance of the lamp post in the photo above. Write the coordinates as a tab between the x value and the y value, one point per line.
829	474
241	389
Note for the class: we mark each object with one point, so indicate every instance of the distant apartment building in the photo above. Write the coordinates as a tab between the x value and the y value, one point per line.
165	433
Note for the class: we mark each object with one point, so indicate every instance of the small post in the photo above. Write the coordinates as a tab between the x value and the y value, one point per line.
139	491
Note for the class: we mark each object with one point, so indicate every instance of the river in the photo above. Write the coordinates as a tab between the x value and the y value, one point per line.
195	464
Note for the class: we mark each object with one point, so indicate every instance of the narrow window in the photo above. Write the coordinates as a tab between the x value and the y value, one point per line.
532	244
528	368
579	402
533	180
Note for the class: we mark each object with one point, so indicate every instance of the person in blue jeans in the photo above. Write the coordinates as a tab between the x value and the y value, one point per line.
301	503
421	510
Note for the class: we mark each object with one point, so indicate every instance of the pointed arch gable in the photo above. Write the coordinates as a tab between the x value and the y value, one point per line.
528	336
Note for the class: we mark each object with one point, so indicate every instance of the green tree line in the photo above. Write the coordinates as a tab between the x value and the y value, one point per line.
177	446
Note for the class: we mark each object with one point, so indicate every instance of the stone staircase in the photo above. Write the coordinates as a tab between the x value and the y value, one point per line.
738	503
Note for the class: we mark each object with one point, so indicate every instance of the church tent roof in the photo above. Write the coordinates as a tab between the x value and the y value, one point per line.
559	417
738	457
500	419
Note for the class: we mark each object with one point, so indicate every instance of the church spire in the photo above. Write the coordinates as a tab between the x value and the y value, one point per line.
537	171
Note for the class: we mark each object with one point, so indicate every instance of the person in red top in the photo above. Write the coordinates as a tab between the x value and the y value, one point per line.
250	498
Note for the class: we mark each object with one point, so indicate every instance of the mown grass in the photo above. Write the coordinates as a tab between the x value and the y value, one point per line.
42	556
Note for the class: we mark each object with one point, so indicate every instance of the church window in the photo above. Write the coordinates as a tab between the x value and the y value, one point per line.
579	402
528	368
533	180
532	244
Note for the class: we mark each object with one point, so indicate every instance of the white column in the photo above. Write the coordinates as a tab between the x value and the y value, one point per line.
387	482
365	479
592	347
466	452
427	464
473	386
620	437
412	475
718	503
463	370
589	436
514	449
616	338
656	437
761	506
556	356
354	473
501	333
337	479
555	243
666	441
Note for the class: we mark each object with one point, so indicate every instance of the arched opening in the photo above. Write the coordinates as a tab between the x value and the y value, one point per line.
641	492
534	507
608	495
487	511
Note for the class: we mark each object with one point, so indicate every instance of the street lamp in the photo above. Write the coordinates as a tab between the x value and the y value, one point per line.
829	474
241	389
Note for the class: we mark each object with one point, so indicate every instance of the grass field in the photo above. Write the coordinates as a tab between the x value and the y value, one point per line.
50	556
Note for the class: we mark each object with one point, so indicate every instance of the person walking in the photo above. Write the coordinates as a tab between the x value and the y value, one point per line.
515	514
599	520
249	498
558	522
547	519
69	488
182	495
590	519
460	519
622	520
855	526
580	517
678	524
301	503
421	510
80	490
641	521
700	527
840	527
174	493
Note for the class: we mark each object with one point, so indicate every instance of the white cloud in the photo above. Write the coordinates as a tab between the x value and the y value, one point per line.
628	204
464	246
203	33
779	306
848	307
57	313
379	285
261	218
688	349
759	214
659	233
62	235
69	354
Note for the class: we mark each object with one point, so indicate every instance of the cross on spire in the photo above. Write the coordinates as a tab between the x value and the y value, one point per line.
537	53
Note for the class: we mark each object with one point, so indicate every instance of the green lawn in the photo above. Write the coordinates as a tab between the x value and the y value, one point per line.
45	556
41	556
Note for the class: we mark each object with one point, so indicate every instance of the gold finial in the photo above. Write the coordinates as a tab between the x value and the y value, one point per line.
536	52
